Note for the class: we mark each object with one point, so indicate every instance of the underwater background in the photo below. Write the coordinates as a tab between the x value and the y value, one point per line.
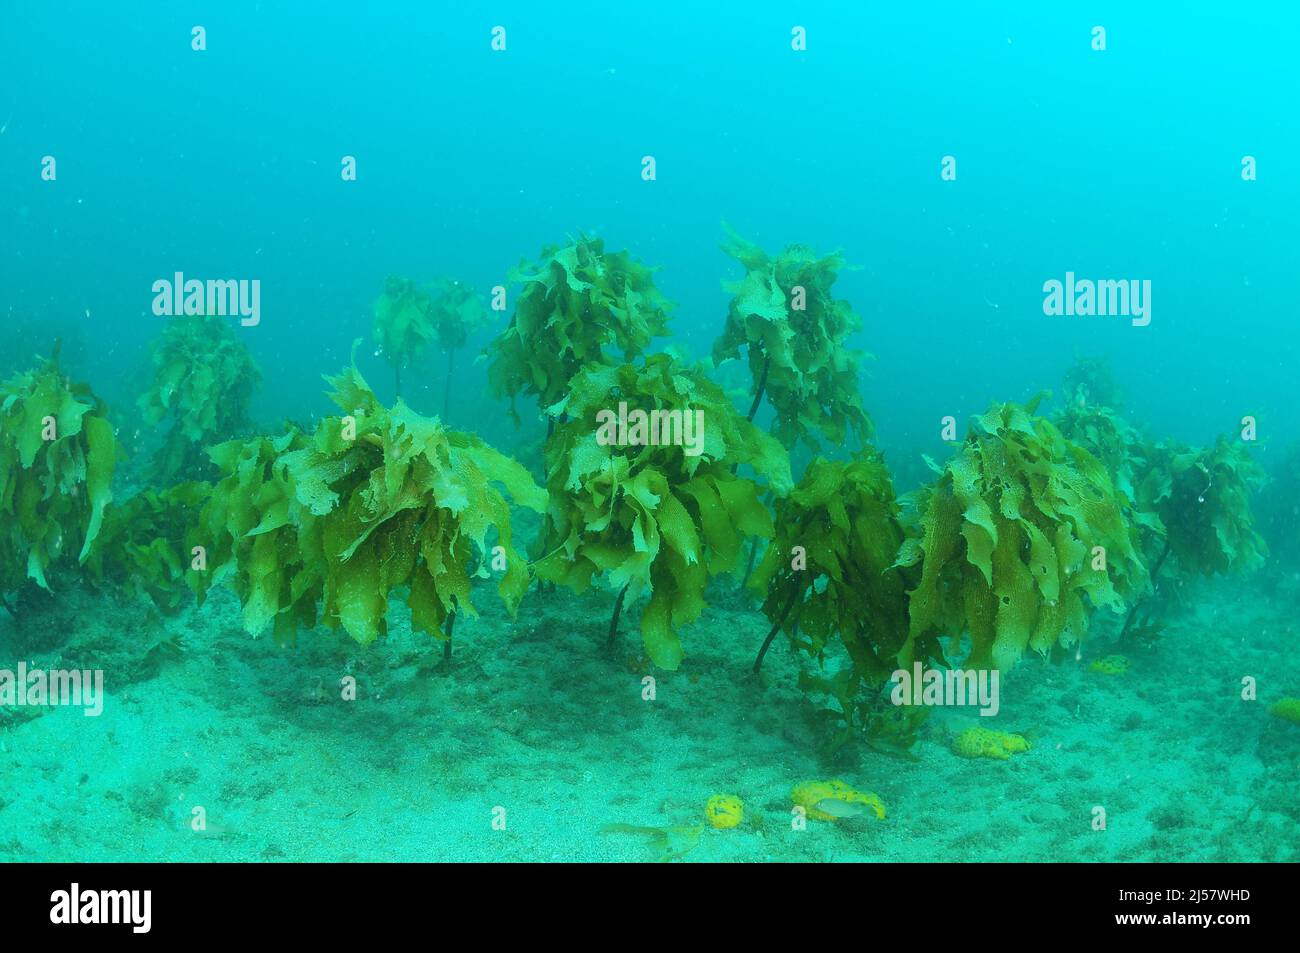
535	741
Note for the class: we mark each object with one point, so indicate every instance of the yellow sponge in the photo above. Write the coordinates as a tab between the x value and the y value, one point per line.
832	800
724	811
977	742
1110	665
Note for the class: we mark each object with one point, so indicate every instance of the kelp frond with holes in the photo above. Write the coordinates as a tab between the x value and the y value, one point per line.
1019	538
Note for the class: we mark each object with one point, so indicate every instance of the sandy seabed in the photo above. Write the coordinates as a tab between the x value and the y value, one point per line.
536	716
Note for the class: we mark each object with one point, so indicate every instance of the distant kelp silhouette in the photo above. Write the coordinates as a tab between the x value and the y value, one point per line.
204	378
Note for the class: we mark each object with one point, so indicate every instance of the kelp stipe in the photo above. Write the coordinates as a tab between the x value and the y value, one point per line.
652	518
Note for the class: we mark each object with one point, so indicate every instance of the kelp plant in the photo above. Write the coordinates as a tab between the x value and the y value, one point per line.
1123	451
653	512
829	577
404	325
456	310
1090	383
795	333
1202	499
580	305
1279	508
204	378
326	527
57	457
1021	535
147	544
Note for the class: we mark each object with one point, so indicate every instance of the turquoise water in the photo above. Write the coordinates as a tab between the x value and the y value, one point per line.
959	159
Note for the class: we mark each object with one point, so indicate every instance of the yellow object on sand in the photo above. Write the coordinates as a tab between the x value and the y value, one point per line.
724	811
1287	709
1110	665
977	742
833	800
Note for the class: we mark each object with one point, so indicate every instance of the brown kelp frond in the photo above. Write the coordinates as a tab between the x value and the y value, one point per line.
579	305
647	510
1022	534
376	502
795	332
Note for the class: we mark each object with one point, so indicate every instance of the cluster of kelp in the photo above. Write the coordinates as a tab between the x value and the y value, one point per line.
1032	525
